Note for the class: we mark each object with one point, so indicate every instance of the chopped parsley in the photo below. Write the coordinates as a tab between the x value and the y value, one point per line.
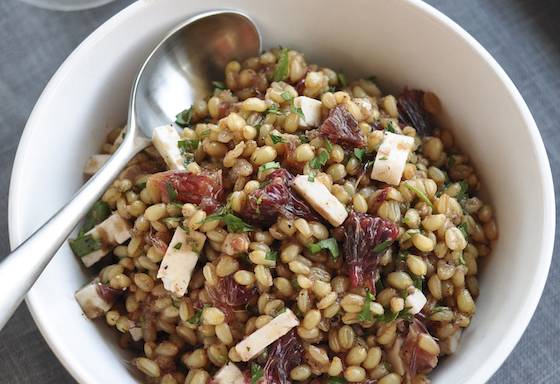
383	246
84	245
389	316
303	139
188	145
281	70
256	373
421	195
402	255
417	282
365	314
171	192
288	97
359	153
328	145
219	85
318	161
462	260
178	245
329	244
269	165
233	223
277	139
464	228
438	309
184	118
195	319
463	192
336	380
274	109
342	81
271	255
390	127
382	158
99	212
311	177
186	148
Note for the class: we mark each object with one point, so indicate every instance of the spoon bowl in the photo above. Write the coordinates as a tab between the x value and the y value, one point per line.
182	67
179	70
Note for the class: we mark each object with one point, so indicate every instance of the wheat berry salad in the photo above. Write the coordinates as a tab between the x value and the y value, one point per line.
293	227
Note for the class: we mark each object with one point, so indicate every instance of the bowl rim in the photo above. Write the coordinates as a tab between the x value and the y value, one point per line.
498	355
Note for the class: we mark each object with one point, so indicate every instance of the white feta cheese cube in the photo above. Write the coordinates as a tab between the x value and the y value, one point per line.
311	109
94	163
92	300
229	374
253	344
415	301
179	261
111	232
391	158
165	139
320	198
449	345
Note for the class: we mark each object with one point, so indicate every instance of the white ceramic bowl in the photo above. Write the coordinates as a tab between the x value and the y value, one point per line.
404	43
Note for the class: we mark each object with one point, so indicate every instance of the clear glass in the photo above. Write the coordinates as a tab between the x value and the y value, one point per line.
67	5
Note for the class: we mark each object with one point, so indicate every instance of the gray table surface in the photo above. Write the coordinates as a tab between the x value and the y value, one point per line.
523	35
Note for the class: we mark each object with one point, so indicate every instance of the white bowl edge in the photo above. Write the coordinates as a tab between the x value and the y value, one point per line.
495	358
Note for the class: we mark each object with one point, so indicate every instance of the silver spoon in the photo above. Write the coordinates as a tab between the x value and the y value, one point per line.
179	70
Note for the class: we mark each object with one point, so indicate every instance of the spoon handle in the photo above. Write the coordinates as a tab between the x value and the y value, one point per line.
20	269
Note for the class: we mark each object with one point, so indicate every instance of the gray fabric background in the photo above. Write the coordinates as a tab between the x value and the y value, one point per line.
523	35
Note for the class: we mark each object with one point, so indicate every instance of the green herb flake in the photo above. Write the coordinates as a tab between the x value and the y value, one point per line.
171	192
311	177
195	319
328	145
421	195
205	133
269	165
383	246
256	373
274	109
233	223
418	282
438	309
219	85
318	161
342	81
329	244
461	260
303	139
277	139
390	127
84	245
336	380
271	255
183	118
464	228
463	192
178	245
287	96
281	70
365	314
382	158
402	255
186	146
98	212
359	153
